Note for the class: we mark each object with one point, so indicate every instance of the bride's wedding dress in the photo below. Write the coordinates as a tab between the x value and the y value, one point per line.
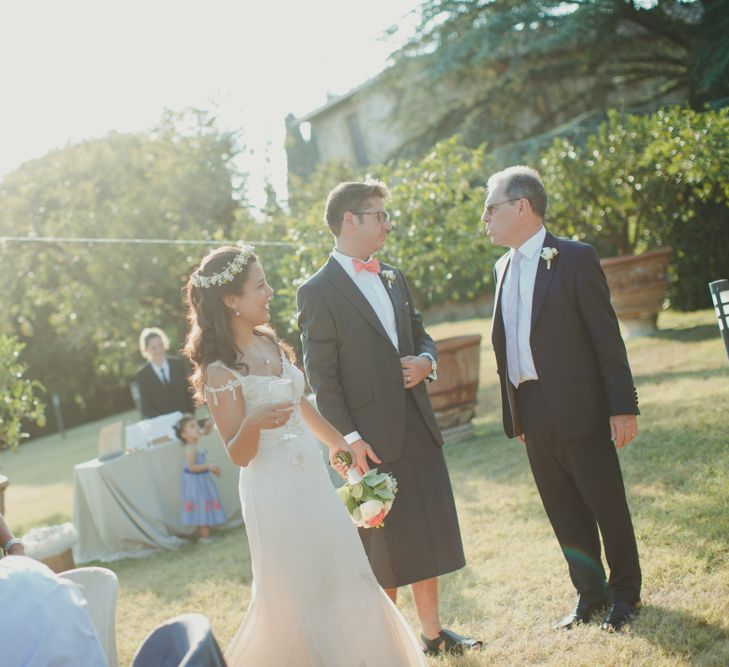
315	601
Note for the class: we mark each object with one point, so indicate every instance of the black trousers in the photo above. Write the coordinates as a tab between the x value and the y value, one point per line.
581	487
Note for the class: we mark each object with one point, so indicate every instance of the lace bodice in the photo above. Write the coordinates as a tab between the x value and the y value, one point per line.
256	388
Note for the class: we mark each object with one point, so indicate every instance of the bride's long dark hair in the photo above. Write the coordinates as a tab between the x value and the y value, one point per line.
209	336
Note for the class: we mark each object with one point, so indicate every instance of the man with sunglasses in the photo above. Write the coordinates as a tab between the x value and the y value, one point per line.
567	392
367	357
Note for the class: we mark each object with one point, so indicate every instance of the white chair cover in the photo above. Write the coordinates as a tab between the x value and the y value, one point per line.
99	587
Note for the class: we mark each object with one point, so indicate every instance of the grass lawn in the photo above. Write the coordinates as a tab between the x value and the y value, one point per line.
515	584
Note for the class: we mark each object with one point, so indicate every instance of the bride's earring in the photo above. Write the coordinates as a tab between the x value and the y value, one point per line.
237	313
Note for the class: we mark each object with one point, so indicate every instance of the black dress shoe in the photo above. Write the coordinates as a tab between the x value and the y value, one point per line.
582	613
620	614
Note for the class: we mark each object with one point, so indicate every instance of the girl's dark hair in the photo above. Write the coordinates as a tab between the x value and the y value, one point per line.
180	425
209	336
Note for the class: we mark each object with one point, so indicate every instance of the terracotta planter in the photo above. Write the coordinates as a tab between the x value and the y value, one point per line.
638	285
453	396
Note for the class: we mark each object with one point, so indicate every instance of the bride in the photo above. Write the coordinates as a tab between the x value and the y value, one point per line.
315	601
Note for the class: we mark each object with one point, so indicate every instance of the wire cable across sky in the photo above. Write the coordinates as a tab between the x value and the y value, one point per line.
109	241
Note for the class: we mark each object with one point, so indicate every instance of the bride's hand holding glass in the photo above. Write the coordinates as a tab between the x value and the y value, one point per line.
274	415
283	390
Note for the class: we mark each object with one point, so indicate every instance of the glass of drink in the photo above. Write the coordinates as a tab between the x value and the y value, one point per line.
281	391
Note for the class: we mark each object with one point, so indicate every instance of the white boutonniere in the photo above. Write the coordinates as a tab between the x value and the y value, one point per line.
549	254
389	276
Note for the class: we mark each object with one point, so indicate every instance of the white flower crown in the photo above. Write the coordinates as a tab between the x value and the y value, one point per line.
227	275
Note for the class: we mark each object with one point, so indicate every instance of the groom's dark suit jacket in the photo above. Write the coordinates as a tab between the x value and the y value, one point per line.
576	344
351	363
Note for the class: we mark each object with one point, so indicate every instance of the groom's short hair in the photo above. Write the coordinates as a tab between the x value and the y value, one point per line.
350	197
522	182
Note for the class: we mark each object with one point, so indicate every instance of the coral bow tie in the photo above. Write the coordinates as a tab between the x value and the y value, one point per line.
372	266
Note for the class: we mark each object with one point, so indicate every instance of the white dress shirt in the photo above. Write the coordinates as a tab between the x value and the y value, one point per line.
530	251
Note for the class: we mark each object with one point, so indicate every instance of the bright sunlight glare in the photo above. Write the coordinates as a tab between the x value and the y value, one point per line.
78	69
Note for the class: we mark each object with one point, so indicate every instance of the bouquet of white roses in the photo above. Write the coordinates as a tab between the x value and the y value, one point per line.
369	497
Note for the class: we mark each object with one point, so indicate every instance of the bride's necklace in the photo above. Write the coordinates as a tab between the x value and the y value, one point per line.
257	354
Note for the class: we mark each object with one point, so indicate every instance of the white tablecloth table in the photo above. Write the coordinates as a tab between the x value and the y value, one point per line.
130	505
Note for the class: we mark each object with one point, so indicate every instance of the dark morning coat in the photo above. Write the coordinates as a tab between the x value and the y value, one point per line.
351	363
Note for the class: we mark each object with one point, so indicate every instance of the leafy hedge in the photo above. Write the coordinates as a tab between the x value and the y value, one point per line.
18	394
645	181
637	183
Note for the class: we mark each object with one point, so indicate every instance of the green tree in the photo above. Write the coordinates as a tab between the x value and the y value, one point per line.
506	70
311	242
438	238
78	307
20	401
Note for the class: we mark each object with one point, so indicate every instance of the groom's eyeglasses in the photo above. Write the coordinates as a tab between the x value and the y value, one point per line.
489	210
382	216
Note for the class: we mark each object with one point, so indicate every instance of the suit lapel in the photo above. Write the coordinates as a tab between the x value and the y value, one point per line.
543	279
338	277
501	267
398	305
498	337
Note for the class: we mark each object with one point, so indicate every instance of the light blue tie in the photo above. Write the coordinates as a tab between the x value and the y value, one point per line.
511	316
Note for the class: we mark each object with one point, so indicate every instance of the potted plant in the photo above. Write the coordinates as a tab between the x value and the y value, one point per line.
453	396
604	193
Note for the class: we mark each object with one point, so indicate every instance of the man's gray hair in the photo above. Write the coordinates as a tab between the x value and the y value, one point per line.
522	182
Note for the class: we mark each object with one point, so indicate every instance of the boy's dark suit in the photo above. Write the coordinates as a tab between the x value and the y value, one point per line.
160	399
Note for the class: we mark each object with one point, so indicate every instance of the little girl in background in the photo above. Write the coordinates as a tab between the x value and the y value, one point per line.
201	504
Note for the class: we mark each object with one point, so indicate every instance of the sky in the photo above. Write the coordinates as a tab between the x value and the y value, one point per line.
77	69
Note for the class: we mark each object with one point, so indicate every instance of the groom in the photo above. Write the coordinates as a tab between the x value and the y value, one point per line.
566	391
367	357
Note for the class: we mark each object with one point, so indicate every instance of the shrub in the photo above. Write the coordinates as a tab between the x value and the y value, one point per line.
641	182
18	394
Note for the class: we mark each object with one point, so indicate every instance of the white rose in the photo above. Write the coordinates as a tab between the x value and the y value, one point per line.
370	509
